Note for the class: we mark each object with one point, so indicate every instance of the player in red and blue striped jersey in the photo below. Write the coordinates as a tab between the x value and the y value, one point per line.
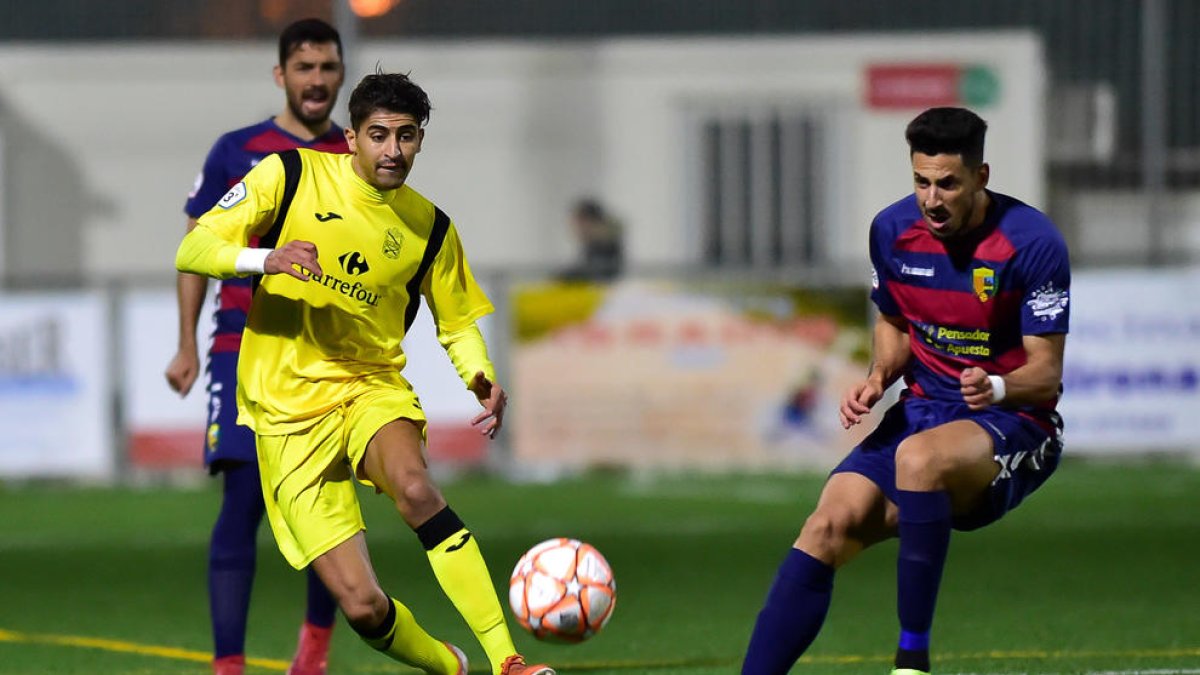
972	288
310	72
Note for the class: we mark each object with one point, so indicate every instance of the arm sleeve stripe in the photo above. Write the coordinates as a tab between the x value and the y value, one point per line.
292	167
441	224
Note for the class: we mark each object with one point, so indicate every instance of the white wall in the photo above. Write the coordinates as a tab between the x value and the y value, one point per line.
647	83
1112	224
104	141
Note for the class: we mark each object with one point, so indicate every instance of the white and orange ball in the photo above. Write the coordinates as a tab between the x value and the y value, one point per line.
562	589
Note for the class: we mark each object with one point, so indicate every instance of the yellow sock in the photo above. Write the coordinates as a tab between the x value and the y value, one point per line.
463	575
406	642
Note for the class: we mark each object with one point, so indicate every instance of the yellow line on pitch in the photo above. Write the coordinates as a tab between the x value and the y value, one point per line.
832	659
850	659
1177	653
128	648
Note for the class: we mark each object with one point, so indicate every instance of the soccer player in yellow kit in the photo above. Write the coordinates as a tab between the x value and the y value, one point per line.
348	250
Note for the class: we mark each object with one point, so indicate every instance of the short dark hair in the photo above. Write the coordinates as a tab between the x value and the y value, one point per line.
306	30
948	131
393	92
590	208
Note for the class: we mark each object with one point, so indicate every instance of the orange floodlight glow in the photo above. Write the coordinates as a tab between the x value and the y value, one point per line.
372	8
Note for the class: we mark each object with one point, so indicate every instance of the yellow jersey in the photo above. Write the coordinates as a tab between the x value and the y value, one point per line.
309	346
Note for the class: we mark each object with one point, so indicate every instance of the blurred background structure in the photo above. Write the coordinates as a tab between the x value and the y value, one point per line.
745	145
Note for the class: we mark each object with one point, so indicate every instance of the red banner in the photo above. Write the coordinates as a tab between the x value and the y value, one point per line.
913	86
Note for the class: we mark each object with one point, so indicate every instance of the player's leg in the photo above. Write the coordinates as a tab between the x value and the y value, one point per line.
850	515
229	451
383	622
983	468
853	512
394	462
231	561
312	648
939	472
313	510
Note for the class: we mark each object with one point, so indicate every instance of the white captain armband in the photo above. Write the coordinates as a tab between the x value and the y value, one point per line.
998	389
252	260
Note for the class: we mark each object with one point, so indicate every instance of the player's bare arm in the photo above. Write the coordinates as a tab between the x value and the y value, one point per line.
493	399
185	365
890	356
296	258
1035	382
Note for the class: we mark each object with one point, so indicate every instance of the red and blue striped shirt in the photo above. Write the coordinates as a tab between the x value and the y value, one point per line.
229	160
970	301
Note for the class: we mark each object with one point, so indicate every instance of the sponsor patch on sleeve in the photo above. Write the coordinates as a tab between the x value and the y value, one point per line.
1047	302
199	183
235	195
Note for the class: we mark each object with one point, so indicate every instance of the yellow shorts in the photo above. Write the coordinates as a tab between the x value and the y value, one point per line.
307	477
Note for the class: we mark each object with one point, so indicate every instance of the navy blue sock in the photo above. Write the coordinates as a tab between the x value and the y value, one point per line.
792	615
322	608
924	542
231	557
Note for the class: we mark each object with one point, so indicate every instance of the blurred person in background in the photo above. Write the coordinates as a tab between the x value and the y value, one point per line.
601	255
347	250
972	288
310	72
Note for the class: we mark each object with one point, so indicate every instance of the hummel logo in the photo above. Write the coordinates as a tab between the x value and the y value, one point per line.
326	217
461	543
916	271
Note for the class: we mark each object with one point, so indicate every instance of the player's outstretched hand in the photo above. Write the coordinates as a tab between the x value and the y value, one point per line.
857	401
182	370
976	388
297	258
493	399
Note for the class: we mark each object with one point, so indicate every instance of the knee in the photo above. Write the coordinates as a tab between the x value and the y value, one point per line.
919	466
238	521
417	498
233	544
365	607
825	533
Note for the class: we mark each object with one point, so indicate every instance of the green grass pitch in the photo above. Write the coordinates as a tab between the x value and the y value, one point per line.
1097	573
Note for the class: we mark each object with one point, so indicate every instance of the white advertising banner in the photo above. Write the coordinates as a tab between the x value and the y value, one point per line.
164	430
1132	367
54	386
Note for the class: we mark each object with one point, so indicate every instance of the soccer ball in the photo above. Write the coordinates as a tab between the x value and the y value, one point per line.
562	590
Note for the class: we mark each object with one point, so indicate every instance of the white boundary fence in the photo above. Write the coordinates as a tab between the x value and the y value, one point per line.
82	394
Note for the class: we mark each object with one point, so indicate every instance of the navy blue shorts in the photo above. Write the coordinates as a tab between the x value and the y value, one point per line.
224	440
1027	453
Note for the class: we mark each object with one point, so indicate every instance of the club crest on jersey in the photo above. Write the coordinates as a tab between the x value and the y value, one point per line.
392	239
984	283
213	437
235	195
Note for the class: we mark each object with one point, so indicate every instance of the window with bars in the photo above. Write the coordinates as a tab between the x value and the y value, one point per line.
759	190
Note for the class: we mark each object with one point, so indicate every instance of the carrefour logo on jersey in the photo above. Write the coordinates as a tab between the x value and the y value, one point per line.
353	263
